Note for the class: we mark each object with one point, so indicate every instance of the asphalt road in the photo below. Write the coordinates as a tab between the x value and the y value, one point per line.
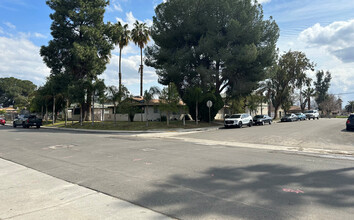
203	175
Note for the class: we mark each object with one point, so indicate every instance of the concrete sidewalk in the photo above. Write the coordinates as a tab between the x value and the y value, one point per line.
29	194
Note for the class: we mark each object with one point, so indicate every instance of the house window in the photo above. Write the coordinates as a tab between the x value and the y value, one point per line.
156	109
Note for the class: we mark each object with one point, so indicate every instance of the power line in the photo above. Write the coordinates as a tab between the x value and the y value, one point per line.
346	93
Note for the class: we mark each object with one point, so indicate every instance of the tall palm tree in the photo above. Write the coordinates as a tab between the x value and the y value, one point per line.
140	35
121	37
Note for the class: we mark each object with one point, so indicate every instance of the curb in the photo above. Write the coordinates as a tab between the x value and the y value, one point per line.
179	130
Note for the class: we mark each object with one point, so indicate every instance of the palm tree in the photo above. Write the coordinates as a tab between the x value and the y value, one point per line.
121	37
140	35
114	97
148	95
308	93
267	88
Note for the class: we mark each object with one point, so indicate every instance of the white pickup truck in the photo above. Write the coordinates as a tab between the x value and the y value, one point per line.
312	114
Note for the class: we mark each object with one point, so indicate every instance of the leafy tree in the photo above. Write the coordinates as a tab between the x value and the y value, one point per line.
218	103
169	100
253	102
140	35
330	104
81	43
237	104
16	92
322	84
98	88
286	75
350	107
148	95
212	45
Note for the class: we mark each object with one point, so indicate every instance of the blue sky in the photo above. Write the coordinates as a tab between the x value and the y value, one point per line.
322	29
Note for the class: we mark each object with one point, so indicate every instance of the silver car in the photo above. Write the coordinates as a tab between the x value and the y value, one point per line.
238	120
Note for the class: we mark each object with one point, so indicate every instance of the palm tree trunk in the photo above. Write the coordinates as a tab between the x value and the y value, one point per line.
309	103
141	72
120	69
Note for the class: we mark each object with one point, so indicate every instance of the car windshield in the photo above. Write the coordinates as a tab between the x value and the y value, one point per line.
309	112
298	113
235	116
287	115
258	116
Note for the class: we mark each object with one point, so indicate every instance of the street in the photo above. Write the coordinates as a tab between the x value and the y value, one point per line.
295	170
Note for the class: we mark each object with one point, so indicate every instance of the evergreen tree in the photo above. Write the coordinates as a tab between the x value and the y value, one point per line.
81	44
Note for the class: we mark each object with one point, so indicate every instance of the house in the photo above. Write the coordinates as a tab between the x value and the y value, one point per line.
150	111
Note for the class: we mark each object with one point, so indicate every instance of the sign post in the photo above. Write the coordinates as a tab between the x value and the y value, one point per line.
209	104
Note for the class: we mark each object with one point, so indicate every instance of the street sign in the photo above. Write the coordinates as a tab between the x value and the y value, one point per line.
209	104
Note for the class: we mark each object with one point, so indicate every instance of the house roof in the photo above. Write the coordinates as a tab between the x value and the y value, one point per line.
8	109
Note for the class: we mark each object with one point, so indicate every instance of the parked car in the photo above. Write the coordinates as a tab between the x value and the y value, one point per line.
289	117
2	121
262	119
27	121
312	114
301	116
238	120
350	122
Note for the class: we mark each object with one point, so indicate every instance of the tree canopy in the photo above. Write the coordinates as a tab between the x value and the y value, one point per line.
81	45
16	92
212	44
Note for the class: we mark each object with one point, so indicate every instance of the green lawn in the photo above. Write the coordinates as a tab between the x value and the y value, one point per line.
132	126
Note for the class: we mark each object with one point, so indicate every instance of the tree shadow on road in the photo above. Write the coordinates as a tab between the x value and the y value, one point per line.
253	192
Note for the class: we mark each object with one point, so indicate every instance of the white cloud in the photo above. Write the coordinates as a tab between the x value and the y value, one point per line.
20	58
11	26
336	38
264	1
114	6
130	20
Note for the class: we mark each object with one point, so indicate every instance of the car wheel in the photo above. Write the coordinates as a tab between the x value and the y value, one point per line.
270	122
15	125
38	126
262	123
240	125
318	118
250	124
23	125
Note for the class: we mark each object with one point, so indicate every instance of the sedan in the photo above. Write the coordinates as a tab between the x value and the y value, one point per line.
289	117
262	119
2	121
301	116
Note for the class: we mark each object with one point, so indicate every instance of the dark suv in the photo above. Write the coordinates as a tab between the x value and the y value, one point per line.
350	122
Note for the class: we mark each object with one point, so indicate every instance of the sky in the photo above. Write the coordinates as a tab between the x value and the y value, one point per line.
322	29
